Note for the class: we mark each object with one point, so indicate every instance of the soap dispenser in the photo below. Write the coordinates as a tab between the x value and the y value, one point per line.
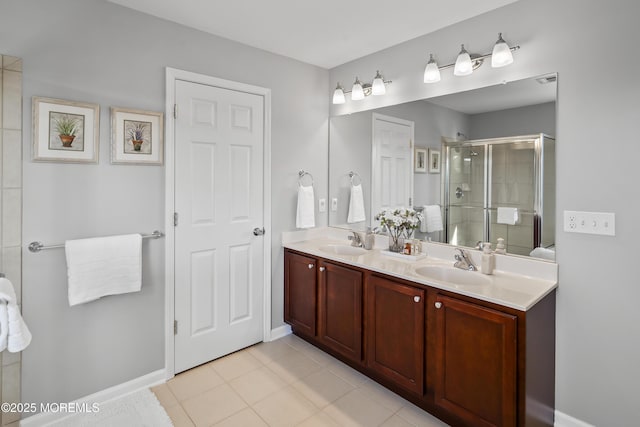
369	239
488	262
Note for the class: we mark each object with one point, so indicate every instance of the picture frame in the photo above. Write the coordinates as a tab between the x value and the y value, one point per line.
434	161
137	137
420	160
65	131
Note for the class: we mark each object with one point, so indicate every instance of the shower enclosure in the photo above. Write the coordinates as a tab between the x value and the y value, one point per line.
481	176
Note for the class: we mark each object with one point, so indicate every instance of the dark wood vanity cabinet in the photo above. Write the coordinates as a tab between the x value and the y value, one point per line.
467	361
340	309
475	362
300	293
396	332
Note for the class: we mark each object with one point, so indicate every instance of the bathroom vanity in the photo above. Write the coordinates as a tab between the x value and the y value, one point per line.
471	349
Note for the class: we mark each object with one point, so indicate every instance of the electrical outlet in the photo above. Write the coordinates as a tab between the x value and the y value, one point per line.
322	205
334	204
603	223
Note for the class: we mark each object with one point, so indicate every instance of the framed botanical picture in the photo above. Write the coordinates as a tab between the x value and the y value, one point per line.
434	161
137	137
420	160
65	131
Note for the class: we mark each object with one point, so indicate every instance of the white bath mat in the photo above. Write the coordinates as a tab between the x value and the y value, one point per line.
140	409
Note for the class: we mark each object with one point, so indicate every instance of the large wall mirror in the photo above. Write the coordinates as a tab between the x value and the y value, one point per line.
479	164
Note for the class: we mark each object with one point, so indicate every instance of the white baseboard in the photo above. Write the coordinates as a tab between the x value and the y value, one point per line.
280	332
145	381
564	420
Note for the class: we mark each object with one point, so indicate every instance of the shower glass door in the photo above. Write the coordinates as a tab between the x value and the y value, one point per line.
466	194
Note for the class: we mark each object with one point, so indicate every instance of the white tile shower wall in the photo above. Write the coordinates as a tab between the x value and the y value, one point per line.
11	213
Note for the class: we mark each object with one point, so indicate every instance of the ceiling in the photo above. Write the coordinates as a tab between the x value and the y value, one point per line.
325	33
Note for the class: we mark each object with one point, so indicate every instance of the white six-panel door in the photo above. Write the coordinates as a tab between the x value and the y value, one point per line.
219	261
392	164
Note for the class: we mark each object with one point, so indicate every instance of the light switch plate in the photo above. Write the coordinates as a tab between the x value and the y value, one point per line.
322	205
334	204
603	223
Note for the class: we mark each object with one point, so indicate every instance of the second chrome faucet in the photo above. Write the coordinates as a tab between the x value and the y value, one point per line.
463	260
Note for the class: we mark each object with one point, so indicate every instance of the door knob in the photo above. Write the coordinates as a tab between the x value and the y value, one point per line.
322	269
258	231
416	299
438	304
310	266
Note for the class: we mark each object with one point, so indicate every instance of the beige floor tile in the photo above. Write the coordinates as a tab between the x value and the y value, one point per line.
164	395
236	364
294	366
356	409
267	352
396	421
347	373
382	395
285	408
256	385
316	354
322	387
245	418
319	420
194	382
179	417
418	417
213	406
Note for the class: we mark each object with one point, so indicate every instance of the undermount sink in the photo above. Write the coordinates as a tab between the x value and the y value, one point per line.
453	275
343	250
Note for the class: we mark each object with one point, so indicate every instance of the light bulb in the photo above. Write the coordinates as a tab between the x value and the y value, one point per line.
378	87
431	71
463	64
501	55
356	91
338	95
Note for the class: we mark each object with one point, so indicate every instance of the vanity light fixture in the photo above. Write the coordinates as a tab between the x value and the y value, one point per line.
361	90
467	62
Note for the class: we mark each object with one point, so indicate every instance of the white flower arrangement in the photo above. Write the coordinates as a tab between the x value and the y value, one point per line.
399	223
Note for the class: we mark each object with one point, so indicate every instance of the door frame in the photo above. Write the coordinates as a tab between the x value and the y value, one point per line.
172	75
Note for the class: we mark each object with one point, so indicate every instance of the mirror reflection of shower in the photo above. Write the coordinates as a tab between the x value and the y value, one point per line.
500	188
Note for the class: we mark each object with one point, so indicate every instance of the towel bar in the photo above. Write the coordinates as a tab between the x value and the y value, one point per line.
301	175
37	246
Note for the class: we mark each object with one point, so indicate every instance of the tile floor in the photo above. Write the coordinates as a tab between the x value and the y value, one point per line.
287	382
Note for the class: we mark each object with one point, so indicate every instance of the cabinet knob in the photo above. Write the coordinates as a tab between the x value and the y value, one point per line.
322	269
416	299
438	304
310	266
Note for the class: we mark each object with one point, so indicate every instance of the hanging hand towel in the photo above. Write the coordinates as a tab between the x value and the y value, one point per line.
356	205
103	266
305	215
14	334
507	216
432	219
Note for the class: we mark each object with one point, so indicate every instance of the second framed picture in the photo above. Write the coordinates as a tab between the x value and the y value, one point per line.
434	161
137	137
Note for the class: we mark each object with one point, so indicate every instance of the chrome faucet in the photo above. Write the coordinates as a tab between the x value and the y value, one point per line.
356	240
463	261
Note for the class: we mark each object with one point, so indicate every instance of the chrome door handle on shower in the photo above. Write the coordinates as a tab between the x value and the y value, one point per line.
258	231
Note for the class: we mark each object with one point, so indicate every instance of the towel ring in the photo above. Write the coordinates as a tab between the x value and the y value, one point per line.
353	175
301	175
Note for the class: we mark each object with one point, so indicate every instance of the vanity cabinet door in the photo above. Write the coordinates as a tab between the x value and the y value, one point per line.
475	352
395	332
340	309
300	292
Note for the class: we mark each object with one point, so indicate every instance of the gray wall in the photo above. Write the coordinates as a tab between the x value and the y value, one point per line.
528	120
113	56
588	44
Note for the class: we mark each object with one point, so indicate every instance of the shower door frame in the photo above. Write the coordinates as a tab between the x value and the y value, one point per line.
538	162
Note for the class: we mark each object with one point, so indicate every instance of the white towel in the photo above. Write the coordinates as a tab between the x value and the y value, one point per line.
103	266
432	219
507	216
305	215
14	334
356	205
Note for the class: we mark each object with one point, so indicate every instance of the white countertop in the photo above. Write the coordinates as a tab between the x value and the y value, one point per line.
507	288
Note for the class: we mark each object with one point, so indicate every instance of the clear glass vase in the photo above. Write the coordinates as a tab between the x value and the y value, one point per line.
396	242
